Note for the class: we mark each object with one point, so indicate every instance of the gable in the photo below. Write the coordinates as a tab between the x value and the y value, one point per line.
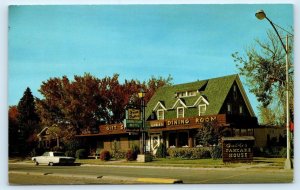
159	105
179	103
213	92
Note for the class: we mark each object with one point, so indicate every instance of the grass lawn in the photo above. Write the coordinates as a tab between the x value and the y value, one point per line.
177	162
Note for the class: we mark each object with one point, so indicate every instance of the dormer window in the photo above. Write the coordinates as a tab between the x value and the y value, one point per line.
187	94
192	93
202	109
160	114
180	112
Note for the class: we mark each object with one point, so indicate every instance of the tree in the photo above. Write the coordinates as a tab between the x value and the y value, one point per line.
28	122
264	70
71	105
211	134
13	127
154	83
80	105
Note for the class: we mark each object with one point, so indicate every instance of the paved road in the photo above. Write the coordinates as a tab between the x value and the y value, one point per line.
194	175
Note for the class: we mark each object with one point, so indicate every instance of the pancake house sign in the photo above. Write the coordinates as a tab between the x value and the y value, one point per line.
237	149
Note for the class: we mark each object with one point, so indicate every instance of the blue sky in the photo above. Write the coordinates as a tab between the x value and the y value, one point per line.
189	42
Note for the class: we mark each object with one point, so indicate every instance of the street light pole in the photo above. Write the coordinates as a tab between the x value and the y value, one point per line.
288	164
142	95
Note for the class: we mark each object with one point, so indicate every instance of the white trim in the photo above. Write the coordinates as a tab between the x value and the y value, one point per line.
183	112
199	108
163	115
161	105
181	102
198	100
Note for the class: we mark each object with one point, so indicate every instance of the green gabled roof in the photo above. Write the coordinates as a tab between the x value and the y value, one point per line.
215	93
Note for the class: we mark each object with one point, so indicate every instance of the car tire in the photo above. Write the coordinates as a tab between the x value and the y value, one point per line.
35	162
50	163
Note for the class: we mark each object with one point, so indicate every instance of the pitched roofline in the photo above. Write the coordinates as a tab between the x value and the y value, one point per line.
245	97
159	103
44	129
182	103
198	100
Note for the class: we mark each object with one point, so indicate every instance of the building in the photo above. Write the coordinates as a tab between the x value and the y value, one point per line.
175	113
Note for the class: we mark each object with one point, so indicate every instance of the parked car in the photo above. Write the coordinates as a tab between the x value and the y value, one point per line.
51	158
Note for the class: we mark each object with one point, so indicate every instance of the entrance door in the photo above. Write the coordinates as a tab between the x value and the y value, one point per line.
155	142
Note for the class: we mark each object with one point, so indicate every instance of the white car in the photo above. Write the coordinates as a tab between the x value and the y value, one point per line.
51	158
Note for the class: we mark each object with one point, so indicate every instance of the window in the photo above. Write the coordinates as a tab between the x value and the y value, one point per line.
202	109
180	112
192	93
160	114
183	139
234	92
241	110
186	94
181	94
229	109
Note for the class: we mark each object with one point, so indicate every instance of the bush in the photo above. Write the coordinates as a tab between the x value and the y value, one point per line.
70	153
135	148
131	155
276	151
189	153
119	155
105	155
81	154
161	151
216	152
57	148
200	153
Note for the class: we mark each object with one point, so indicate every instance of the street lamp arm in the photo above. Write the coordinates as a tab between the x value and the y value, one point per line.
285	48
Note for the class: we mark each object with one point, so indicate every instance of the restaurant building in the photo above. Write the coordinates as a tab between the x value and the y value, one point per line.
175	113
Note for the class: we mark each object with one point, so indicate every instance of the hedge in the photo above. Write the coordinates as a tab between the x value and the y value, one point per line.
189	153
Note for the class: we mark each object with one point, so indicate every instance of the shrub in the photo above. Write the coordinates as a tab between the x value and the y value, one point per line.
81	154
57	148
131	155
119	155
135	148
282	153
70	153
105	155
200	153
189	153
216	152
73	145
161	151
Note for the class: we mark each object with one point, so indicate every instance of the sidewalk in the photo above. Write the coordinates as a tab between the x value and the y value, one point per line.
106	178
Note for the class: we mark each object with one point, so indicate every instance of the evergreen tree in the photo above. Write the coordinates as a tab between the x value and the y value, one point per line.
28	122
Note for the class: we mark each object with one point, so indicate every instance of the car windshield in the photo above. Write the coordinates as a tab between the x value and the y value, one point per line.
58	154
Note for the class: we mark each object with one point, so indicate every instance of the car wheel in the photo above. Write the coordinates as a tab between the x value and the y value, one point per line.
50	163
35	162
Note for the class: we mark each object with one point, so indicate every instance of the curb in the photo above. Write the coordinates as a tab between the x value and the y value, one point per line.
116	178
159	180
